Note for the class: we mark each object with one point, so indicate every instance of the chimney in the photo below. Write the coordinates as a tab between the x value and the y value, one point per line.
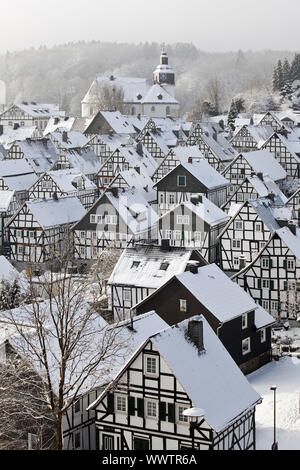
65	136
193	266
292	228
139	117
215	136
165	244
271	196
55	196
260	176
190	160
137	169
56	120
196	200
195	334
1	129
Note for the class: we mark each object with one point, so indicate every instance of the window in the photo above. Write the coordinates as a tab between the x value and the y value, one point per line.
135	264
265	262
171	199
236	261
246	346
151	409
180	417
265	283
236	244
181	180
127	295
82	235
258	227
244	321
151	365
183	305
77	406
121	403
274	306
238	225
161	198
93	219
183	219
263	336
111	219
265	304
291	265
164	266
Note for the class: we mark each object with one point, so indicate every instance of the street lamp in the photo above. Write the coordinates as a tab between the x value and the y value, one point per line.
193	414
275	443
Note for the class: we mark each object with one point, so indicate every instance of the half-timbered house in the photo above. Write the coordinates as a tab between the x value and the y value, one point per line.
151	138
294	202
39	228
176	155
179	368
259	162
195	224
248	231
243	327
30	114
119	218
250	138
187	180
79	428
286	152
216	149
83	160
18	176
253	187
199	128
64	183
136	180
273	277
271	119
9	204
41	154
9	135
124	158
141	270
66	139
106	144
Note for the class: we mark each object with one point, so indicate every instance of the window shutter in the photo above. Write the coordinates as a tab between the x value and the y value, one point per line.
140	407
110	403
35	235
285	264
272	285
162	411
171	412
131	406
271	263
285	285
259	283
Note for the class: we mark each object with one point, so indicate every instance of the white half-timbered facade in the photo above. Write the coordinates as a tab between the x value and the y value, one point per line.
175	370
30	114
250	138
216	149
9	204
84	160
119	218
39	229
64	183
195	224
248	231
273	277
176	156
106	144
18	176
187	180
286	152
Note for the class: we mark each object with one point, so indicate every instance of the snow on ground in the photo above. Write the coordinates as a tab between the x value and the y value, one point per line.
286	375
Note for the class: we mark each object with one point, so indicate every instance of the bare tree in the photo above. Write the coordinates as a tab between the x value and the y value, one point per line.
214	93
66	341
108	97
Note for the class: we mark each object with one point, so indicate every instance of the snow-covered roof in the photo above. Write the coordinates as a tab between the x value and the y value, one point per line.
41	110
259	133
10	135
292	241
204	173
262	161
69	139
159	138
205	210
269	214
65	179
212	380
119	123
51	212
7	271
83	160
292	146
142	182
17	174
183	153
40	153
262	318
6	198
133	208
231	301
134	88
144	161
114	141
267	186
153	266
220	147
157	94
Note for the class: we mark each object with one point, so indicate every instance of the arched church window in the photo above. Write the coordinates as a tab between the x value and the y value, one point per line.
133	111
153	108
167	110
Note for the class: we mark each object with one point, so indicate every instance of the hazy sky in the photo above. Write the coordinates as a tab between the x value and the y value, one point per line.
212	25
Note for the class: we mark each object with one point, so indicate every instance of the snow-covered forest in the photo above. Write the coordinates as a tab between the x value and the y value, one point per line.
63	73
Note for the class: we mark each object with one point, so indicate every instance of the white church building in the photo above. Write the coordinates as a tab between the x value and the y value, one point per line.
149	97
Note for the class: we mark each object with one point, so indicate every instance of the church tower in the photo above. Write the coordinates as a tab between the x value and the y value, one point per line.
164	75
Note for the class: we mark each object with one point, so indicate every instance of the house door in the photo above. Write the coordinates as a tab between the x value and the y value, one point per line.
140	444
108	442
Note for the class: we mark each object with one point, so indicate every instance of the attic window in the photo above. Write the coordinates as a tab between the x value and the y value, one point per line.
164	266
139	96
159	97
135	264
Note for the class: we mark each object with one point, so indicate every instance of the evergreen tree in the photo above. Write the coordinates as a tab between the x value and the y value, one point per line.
232	115
275	80
280	75
295	68
286	70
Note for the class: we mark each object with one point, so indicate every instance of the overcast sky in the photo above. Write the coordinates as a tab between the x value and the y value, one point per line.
212	25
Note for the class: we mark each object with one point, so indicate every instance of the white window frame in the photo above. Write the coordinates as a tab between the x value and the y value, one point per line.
248	350
121	398
263	335
181	185
154	360
237	243
265	262
179	414
244	321
183	305
151	402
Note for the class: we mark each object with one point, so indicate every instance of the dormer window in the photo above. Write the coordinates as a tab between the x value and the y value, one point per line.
139	96
135	264
164	266
181	181
160	97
